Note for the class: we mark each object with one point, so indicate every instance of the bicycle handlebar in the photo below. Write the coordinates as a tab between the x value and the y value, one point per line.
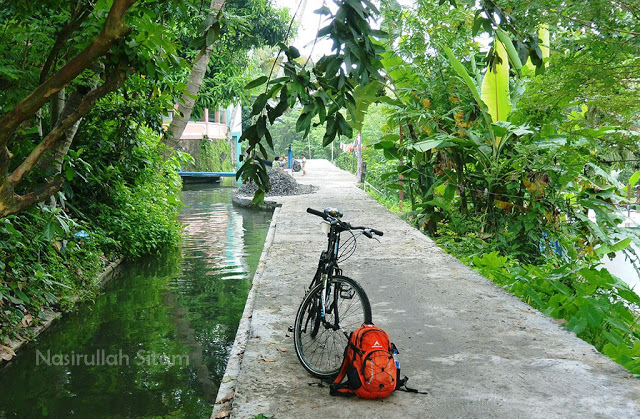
325	216
316	212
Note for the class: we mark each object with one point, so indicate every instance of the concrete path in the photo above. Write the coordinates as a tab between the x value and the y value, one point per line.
477	350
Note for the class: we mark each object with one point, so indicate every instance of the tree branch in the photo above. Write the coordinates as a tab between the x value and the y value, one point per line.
27	200
63	35
590	24
114	28
113	82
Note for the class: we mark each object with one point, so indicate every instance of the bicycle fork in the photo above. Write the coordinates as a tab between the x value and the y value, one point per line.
324	296
332	308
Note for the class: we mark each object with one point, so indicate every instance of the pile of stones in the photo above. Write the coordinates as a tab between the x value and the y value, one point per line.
281	184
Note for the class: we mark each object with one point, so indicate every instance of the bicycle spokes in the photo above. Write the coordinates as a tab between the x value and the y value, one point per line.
320	342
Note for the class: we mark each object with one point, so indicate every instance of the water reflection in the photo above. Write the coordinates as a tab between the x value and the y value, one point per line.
125	354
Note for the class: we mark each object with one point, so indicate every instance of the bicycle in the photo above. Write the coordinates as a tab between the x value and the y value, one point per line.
334	305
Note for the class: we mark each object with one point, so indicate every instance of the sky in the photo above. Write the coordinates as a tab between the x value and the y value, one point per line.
309	23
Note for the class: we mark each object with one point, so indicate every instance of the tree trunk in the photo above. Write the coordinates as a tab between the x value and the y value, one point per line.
185	107
10	202
462	190
57	106
51	164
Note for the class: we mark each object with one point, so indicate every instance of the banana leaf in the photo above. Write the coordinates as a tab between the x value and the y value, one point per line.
495	86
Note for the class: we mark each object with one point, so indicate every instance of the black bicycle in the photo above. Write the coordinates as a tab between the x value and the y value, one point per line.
334	305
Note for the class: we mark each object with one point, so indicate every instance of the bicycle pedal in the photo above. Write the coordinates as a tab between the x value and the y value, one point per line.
290	329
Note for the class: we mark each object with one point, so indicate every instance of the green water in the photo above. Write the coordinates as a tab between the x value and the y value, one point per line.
155	342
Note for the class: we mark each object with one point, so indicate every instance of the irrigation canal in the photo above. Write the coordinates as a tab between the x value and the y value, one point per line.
125	355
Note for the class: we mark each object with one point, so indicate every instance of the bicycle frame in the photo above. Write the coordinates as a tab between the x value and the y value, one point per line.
328	266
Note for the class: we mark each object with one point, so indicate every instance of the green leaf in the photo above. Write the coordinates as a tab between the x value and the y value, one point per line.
344	127
613	337
259	104
577	324
50	230
212	36
292	53
276	112
22	296
462	72
423	146
617	323
634	179
324	10
511	50
257	82
389	137
394	186
621	245
593	314
15	300
69	173
495	85
258	197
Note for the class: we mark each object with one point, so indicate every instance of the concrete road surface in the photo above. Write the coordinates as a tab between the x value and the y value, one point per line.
478	351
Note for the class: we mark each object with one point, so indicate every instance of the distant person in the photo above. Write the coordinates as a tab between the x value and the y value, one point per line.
303	162
283	162
276	162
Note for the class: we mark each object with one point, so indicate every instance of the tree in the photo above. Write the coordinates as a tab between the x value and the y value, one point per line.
113	30
218	74
198	70
76	53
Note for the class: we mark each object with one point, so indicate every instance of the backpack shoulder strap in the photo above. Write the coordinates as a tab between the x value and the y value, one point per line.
342	390
403	383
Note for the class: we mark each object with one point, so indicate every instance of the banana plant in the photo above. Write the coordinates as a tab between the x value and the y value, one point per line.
544	41
493	97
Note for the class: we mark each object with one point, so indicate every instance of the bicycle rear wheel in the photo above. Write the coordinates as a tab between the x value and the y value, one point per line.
319	342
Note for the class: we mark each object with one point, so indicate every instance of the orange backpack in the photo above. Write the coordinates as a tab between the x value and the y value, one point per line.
369	365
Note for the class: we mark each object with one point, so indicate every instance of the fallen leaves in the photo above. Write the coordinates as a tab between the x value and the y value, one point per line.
223	414
6	353
226	398
27	320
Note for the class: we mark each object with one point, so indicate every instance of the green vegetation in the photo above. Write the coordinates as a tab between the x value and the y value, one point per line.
215	156
87	177
505	124
514	183
502	124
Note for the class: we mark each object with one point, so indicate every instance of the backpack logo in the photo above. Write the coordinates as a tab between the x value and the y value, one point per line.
376	345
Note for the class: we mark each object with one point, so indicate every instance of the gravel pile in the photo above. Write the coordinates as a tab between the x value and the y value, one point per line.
281	184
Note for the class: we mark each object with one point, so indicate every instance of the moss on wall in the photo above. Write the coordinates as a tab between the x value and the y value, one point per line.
213	155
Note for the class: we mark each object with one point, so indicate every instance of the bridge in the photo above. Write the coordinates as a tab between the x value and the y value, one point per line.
205	176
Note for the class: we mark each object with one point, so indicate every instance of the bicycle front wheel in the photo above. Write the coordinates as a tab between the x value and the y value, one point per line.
320	341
